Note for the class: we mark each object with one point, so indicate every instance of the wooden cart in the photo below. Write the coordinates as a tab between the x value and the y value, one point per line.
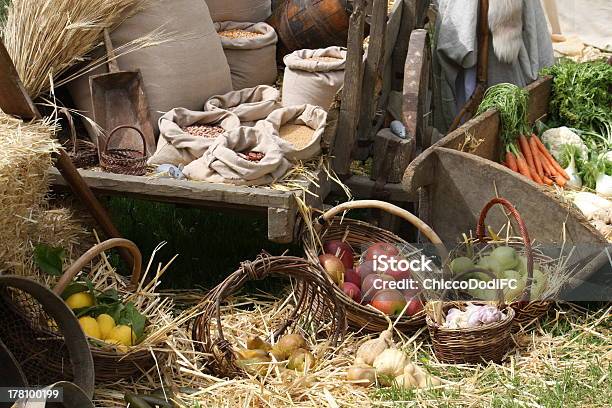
457	175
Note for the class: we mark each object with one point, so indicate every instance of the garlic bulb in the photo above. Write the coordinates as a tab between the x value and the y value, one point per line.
371	349
361	375
406	381
391	362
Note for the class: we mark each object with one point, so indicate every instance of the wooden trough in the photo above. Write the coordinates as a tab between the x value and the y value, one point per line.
456	176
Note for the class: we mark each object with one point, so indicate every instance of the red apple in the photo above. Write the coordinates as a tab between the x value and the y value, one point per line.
352	291
394	270
365	269
370	284
342	250
351	276
414	305
378	249
333	266
389	301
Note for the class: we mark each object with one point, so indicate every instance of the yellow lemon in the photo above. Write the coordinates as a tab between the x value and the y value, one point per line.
90	326
106	324
80	300
121	334
117	346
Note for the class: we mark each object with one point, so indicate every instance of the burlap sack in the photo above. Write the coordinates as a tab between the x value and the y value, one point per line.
224	163
252	60
307	115
183	72
178	147
250	104
311	82
240	10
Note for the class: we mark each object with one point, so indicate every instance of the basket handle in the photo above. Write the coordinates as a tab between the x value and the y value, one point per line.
114	131
480	233
394	210
73	134
96	250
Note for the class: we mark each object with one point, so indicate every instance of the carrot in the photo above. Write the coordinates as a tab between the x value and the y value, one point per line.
522	165
536	156
547	181
550	158
535	176
524	144
511	161
560	181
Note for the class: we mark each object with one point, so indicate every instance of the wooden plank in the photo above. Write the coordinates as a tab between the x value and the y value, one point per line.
180	191
14	100
331	126
351	94
416	86
540	92
413	16
392	154
281	224
373	66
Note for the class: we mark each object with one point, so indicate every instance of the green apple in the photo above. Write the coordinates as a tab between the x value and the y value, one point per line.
490	263
461	265
512	295
539	284
506	257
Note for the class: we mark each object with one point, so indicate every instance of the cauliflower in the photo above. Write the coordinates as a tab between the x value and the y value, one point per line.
556	138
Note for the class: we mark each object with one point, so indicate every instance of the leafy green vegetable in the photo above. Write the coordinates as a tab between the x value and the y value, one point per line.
512	103
130	316
49	259
567	152
581	96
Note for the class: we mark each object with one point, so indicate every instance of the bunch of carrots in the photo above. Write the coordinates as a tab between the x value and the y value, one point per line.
534	161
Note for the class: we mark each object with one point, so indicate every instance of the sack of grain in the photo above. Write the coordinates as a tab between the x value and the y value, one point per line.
299	128
186	135
250	104
250	49
313	77
240	10
183	72
243	156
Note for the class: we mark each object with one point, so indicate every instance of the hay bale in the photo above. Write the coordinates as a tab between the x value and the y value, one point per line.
25	156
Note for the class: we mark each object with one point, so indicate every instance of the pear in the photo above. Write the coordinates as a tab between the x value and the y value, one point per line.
512	295
506	257
461	265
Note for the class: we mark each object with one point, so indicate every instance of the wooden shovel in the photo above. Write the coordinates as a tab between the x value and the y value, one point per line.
118	99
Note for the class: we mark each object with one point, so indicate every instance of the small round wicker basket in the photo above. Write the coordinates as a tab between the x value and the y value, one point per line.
359	234
124	161
472	345
316	308
83	153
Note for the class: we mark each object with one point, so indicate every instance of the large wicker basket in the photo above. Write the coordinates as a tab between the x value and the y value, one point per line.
359	234
473	345
526	311
316	308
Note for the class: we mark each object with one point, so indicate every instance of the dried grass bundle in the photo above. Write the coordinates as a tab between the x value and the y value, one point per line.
25	156
47	37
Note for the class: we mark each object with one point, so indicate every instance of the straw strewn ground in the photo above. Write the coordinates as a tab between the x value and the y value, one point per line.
562	362
25	156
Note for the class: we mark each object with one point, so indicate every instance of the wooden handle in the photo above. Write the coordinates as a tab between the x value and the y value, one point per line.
114	131
96	250
113	66
394	210
480	233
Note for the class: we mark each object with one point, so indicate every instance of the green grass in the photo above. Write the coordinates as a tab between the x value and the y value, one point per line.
210	244
573	371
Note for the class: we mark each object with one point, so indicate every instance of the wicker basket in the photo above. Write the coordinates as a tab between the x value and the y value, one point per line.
469	345
316	306
109	364
83	153
124	161
361	234
40	331
526	311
